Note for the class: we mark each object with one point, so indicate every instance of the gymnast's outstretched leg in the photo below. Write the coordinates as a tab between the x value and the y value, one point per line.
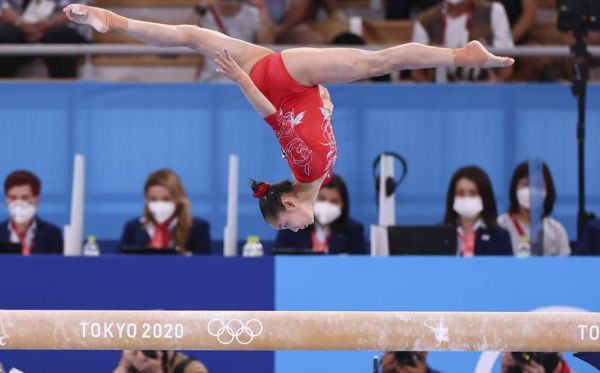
205	41
312	66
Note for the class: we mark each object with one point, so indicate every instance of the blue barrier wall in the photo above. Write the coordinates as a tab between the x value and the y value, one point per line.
432	284
325	283
128	130
137	283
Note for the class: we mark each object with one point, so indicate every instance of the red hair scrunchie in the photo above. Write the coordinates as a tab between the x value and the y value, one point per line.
262	190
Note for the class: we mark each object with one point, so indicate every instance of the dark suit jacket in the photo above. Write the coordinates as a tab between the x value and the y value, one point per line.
47	239
134	234
493	242
589	244
352	241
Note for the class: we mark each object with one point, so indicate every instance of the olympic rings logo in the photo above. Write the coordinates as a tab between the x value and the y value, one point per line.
235	330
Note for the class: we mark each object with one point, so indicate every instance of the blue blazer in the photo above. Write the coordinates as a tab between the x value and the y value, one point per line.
589	244
493	242
350	242
48	238
134	234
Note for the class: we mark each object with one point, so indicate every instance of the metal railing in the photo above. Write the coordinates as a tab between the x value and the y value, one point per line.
90	50
138	49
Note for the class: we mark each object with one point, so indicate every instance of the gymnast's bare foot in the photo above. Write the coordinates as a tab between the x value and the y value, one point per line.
475	55
101	20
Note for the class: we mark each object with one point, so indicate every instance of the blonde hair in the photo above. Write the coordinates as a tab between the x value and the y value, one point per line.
169	179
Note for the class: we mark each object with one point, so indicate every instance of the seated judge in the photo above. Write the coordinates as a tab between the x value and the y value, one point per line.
167	221
334	231
471	208
24	227
517	220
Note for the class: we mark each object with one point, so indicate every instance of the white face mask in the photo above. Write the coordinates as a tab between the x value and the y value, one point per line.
524	197
21	212
161	210
327	212
468	207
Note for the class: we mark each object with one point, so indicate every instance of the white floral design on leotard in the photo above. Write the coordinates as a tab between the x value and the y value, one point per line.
297	152
329	139
286	123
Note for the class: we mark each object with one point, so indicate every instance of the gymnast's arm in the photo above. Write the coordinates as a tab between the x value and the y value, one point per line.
228	67
148	32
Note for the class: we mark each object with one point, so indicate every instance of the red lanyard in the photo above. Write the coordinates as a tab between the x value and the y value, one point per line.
519	228
470	9
218	19
162	235
318	246
460	235
466	247
25	249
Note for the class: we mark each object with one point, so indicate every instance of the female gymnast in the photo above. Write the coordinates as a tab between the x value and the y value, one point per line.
285	89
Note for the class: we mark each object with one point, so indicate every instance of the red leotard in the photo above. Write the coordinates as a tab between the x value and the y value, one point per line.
302	124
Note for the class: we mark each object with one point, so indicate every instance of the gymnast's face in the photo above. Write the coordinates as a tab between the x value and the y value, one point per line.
296	215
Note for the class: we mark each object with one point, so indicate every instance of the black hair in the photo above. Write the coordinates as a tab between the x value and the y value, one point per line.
486	192
522	171
348	38
270	204
23	177
340	225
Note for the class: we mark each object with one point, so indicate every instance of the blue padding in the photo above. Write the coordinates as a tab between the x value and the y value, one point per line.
426	284
112	247
137	283
128	130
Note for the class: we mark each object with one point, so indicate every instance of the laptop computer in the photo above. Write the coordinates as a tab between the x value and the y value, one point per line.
422	240
289	251
144	250
10	248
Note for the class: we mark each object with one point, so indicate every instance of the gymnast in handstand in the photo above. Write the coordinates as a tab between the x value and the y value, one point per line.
286	89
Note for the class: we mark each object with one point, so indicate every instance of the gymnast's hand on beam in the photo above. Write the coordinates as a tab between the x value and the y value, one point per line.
228	67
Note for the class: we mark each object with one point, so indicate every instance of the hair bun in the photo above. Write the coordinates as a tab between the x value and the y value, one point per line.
260	189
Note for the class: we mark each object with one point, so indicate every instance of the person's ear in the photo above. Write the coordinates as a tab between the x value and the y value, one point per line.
36	201
288	202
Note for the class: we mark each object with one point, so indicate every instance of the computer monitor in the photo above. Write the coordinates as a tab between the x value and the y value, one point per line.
10	248
422	240
289	251
145	250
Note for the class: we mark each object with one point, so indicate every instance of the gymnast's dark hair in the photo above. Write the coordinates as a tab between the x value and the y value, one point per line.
269	196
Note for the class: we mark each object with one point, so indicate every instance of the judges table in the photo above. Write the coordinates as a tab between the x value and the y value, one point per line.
288	283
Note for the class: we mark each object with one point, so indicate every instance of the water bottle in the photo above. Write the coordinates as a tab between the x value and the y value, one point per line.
91	247
252	247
